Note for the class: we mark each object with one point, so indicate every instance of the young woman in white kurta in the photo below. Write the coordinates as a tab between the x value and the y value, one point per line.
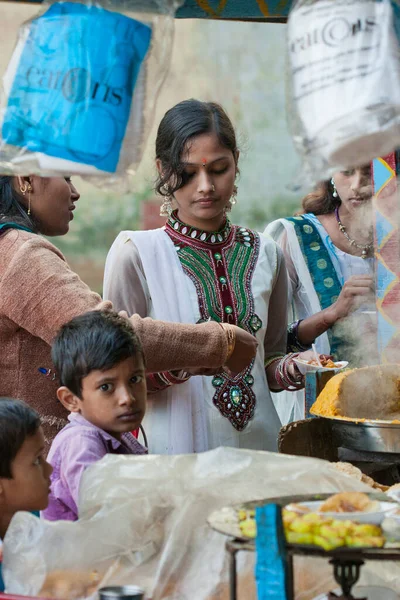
200	267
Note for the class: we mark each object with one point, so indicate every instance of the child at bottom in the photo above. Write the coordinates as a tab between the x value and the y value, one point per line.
100	365
24	472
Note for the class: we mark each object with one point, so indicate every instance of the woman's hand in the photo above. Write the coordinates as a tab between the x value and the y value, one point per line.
306	356
244	351
357	290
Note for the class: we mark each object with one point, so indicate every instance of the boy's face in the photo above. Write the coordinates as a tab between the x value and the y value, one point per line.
115	400
30	484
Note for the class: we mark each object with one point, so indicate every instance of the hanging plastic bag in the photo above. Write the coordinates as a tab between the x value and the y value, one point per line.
343	83
81	86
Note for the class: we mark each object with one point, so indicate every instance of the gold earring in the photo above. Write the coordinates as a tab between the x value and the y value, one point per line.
234	194
166	207
27	188
29	199
233	199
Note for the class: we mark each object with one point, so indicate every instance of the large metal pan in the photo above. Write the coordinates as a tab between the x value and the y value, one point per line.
366	436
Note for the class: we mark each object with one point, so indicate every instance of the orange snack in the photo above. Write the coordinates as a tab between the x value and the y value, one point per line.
347	502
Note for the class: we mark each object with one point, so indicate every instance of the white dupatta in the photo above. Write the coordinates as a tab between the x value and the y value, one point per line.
175	423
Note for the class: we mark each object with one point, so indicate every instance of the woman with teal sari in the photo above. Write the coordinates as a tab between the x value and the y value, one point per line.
329	256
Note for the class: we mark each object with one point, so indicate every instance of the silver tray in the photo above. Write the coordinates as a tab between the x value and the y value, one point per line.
366	436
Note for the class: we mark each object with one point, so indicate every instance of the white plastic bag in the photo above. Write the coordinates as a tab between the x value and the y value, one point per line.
343	82
81	86
143	521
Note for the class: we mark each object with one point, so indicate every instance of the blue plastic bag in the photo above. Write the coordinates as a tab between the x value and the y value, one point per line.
72	92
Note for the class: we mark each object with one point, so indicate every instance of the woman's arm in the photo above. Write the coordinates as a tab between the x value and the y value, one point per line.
39	292
355	290
276	335
304	332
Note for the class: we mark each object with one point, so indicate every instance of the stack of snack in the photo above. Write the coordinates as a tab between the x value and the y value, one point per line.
356	473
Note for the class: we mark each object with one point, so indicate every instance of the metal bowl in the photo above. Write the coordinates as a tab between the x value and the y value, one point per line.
366	436
121	592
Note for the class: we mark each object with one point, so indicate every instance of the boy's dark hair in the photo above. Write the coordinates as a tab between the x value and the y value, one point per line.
96	340
17	422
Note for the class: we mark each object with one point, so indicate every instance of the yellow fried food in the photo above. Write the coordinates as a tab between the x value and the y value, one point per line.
300	525
293	537
288	516
329	543
248	527
314	518
366	529
365	542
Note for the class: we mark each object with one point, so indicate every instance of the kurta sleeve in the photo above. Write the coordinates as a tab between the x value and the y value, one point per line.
293	278
39	292
276	334
125	285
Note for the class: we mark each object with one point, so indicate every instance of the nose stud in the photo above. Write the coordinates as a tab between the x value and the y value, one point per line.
213	188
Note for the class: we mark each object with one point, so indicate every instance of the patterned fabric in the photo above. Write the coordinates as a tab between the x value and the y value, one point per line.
221	265
320	266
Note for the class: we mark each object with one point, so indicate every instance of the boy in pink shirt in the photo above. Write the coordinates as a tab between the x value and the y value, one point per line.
100	364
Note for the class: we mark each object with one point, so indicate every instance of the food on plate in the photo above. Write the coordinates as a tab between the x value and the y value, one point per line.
70	585
348	502
318	530
325	361
366	393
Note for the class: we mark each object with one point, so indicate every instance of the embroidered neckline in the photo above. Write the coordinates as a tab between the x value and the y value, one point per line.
194	233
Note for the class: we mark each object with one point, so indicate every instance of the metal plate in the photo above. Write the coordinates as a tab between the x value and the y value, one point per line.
225	520
367	436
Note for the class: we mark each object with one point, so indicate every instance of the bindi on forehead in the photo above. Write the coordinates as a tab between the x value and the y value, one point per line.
204	162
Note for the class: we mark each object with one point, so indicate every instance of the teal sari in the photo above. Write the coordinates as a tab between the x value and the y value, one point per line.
320	265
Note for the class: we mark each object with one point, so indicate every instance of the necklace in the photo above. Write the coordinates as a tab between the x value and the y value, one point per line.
365	248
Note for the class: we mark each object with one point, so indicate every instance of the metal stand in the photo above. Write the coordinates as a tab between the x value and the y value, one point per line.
346	563
346	573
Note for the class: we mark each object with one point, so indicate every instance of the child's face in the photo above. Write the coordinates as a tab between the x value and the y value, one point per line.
115	400
30	484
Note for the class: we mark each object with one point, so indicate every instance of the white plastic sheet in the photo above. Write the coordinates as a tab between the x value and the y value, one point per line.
343	82
143	521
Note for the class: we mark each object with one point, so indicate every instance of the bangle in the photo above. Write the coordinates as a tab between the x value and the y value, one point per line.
284	378
230	338
271	359
293	342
